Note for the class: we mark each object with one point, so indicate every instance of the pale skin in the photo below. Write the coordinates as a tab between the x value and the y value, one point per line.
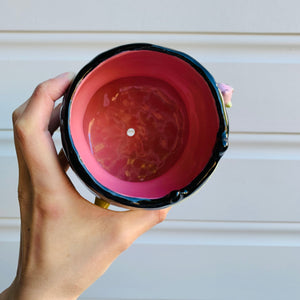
67	242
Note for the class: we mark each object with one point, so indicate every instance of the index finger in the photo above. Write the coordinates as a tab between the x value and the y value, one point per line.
40	105
33	136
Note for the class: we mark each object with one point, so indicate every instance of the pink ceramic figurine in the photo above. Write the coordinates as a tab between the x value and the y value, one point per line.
226	91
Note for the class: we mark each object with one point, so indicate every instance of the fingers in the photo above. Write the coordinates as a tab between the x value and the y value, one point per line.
19	111
40	105
31	123
54	120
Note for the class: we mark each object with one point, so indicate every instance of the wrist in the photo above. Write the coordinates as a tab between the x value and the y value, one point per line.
5	295
19	292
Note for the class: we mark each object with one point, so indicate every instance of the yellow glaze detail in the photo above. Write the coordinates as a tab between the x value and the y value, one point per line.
102	203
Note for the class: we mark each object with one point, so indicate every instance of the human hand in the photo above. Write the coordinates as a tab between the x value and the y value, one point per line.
66	241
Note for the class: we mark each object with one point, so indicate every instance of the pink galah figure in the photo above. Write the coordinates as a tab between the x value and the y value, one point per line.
226	91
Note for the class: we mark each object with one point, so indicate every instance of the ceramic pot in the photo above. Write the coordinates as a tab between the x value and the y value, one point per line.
143	126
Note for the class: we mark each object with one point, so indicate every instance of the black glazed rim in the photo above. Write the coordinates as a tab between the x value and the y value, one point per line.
220	147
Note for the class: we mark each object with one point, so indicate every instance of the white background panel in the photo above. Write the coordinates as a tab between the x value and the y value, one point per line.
256	180
205	273
276	16
193	272
238	237
264	70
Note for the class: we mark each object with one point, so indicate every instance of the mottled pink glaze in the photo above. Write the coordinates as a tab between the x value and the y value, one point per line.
171	109
136	127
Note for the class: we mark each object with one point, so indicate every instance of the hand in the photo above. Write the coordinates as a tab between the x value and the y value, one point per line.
66	241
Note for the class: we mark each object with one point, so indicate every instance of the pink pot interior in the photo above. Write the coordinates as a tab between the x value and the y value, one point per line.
144	123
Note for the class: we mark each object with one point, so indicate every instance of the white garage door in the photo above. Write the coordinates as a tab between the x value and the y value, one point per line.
239	236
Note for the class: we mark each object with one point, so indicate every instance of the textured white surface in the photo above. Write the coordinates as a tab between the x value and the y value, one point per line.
239	236
271	16
263	69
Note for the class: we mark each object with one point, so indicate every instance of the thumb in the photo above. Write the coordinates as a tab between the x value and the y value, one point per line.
139	221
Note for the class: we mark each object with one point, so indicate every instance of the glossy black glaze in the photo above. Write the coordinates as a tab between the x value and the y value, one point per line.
220	146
